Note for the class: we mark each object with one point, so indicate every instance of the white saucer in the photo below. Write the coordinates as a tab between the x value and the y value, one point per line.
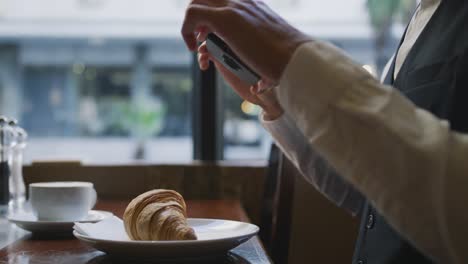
215	237
28	221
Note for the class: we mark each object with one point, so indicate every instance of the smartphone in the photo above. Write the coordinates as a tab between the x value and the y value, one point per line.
222	53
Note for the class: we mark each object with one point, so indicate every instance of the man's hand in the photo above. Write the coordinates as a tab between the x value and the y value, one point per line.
260	94
261	38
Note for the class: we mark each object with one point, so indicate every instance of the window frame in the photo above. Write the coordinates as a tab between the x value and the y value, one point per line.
207	116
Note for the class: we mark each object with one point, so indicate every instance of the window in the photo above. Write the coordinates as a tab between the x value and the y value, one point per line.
98	81
244	137
105	81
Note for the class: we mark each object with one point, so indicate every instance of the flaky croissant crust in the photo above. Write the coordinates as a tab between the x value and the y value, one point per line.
158	215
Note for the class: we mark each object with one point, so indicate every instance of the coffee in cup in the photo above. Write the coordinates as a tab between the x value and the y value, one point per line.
61	201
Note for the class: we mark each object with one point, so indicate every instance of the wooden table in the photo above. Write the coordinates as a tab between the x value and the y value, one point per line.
21	247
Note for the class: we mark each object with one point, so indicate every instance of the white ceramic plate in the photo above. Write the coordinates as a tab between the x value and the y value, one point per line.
215	237
28	221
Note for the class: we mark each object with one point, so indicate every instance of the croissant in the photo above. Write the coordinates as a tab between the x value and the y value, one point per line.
158	215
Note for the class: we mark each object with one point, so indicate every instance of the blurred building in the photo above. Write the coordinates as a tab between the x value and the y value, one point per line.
76	68
53	53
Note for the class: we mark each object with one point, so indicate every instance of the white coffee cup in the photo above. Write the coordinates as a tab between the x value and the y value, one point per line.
62	201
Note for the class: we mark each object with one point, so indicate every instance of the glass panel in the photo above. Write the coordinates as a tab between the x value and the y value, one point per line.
98	81
368	30
244	137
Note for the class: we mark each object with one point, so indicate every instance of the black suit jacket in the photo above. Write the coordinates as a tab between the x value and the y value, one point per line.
434	77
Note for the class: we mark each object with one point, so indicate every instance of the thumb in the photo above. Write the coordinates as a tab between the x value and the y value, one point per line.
263	86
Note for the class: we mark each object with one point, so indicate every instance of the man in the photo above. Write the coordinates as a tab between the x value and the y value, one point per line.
399	152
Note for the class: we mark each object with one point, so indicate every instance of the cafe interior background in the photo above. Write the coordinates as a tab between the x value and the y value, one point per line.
107	90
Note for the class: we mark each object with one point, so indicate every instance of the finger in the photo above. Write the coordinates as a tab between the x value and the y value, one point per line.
204	61
202	48
253	89
263	86
203	56
198	16
202	34
204	65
